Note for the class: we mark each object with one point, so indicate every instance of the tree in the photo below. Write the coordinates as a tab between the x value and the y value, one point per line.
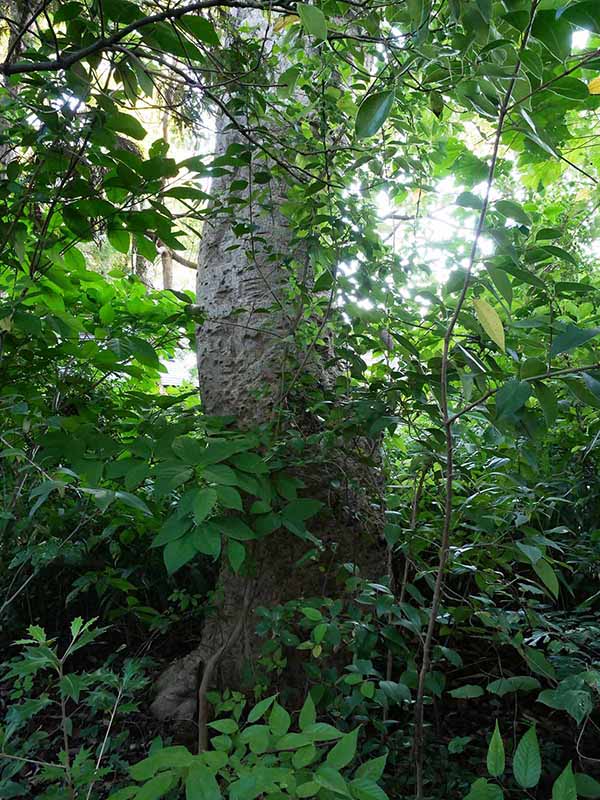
250	358
390	481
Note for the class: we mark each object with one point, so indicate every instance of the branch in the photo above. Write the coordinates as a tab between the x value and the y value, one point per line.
67	60
543	376
418	744
210	666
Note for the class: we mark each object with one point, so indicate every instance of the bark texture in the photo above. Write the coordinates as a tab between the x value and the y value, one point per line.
243	345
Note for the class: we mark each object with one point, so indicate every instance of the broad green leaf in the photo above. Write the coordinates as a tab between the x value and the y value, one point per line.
547	400
124	123
178	553
490	321
157	787
372	113
365	788
548	576
330	778
279	720
261	708
236	554
304	756
308	713
166	757
516	683
554	33
527	764
313	21
484	790
564	787
207	539
343	751
508	208
511	397
204	502
229	497
585	15
119	239
226	725
587	786
571	338
467	691
495	759
469	200
577	703
372	769
201	28
201	784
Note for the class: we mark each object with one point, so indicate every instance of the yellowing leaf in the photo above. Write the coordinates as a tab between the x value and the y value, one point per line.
594	86
490	321
284	22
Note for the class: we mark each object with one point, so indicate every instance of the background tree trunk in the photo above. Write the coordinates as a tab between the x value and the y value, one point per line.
243	348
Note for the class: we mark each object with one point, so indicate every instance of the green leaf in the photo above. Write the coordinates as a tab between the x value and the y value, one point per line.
301	510
512	210
330	778
395	692
527	763
229	497
577	703
204	502
308	713
372	769
555	34
469	200
279	720
516	683
548	402
157	787
571	338
234	528
365	788
496	759
304	756
226	725
483	790
544	571
120	240
467	691
261	708
372	113
201	784
124	123
564	787
344	751
584	15
511	397
207	540
201	28
490	321
587	786
178	553
539	663
313	21
236	554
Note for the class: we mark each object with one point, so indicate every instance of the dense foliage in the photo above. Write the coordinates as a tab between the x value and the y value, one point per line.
440	172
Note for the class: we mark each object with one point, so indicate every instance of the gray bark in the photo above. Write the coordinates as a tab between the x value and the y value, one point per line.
243	347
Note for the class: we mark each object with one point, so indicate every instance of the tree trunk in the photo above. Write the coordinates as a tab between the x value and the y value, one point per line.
243	349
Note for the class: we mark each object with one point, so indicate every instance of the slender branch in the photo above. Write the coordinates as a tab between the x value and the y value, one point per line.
418	746
68	60
542	376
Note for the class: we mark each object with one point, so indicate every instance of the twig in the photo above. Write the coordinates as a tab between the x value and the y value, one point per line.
209	668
